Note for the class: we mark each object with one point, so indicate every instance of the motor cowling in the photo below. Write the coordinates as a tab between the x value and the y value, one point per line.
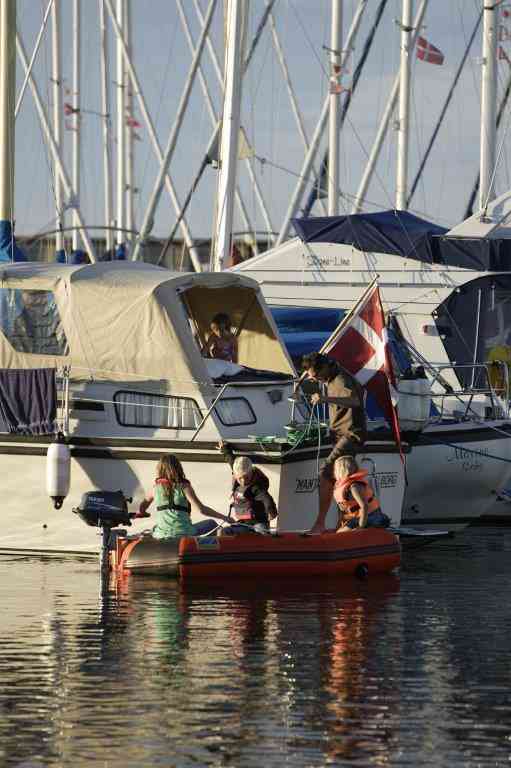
58	471
104	508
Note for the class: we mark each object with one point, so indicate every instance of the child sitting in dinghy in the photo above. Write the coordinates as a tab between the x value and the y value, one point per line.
358	506
175	499
251	503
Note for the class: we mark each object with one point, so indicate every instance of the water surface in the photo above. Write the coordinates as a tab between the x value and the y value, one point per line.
409	670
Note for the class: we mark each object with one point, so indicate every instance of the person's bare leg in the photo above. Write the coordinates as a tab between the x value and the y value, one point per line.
326	489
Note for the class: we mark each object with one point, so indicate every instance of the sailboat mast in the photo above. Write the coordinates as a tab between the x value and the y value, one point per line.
235	16
7	101
121	134
130	221
384	123
404	106
334	113
56	76
76	117
310	155
106	119
488	104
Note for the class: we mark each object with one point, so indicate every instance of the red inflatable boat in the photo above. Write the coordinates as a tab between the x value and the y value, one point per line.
359	552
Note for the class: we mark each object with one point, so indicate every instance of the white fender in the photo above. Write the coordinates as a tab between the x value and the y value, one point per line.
58	471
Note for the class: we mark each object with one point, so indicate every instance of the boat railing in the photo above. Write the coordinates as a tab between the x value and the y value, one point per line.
210	410
479	382
62	384
237	385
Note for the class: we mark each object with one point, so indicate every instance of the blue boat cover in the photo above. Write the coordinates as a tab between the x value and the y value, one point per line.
78	257
403	234
9	251
306	329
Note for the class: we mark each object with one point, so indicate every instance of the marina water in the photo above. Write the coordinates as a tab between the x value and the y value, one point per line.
408	670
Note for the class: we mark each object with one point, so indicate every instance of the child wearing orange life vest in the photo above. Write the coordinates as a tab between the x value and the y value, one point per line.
358	506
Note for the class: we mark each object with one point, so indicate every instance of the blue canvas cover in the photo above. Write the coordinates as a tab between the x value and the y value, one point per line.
306	329
9	251
404	234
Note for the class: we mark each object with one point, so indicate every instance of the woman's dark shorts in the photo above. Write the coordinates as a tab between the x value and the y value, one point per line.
345	446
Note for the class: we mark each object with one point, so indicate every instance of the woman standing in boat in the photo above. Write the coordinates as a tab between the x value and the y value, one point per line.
358	506
175	499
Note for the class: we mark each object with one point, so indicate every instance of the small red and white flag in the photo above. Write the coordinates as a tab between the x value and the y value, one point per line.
427	52
131	122
360	344
70	110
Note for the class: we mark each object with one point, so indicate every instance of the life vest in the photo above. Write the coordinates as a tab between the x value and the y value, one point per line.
344	498
177	501
173	511
244	506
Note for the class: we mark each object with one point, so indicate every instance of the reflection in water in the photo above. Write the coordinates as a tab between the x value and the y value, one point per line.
409	670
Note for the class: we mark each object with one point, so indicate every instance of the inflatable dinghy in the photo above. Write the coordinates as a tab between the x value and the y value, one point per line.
360	552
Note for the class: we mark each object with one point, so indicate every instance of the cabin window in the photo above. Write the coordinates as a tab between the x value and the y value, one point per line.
235	411
141	409
31	323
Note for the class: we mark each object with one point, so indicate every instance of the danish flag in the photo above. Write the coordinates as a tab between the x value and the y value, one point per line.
427	52
360	344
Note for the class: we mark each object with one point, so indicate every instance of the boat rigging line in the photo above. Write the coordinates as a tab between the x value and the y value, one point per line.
323	173
213	145
442	115
475	189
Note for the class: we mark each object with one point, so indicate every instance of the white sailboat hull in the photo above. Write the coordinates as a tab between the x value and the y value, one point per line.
463	476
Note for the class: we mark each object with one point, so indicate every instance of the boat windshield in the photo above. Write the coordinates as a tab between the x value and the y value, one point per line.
251	340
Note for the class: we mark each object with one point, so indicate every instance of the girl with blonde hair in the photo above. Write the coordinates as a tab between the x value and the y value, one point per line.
175	500
357	503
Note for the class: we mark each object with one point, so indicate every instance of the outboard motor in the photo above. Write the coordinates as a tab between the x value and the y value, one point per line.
104	510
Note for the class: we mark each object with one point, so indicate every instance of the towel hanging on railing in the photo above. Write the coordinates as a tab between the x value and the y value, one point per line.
28	401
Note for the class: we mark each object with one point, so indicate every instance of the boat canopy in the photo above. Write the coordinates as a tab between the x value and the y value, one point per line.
474	323
403	234
129	321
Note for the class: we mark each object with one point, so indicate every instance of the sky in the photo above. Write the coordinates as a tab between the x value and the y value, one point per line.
162	60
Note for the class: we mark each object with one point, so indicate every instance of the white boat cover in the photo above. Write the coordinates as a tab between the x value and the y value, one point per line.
129	321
